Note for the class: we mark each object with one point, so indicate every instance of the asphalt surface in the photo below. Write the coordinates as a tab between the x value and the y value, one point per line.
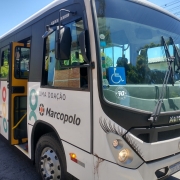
175	176
14	165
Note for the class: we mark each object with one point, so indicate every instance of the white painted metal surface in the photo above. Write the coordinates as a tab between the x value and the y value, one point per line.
4	109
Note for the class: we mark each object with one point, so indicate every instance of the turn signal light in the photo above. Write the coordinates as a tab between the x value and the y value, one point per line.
73	157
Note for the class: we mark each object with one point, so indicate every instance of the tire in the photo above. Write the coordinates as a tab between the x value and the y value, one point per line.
50	158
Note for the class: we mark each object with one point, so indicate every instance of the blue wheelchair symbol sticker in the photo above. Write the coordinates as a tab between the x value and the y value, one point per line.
116	76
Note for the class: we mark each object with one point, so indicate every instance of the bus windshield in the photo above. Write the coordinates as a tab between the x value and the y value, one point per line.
134	61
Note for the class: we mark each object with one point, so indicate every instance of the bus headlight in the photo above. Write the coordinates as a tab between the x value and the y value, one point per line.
123	154
115	143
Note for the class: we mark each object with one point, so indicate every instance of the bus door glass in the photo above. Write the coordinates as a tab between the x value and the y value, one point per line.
19	70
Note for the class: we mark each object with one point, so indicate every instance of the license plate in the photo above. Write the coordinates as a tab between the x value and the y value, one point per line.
174	168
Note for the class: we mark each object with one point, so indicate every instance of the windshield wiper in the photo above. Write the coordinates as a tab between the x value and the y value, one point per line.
169	72
177	55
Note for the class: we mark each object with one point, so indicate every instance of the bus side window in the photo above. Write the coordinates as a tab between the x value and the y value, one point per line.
4	70
65	73
22	56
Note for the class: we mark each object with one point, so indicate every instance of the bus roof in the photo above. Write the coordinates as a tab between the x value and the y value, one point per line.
57	2
154	6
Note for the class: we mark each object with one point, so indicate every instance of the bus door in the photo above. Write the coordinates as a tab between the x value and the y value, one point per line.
19	72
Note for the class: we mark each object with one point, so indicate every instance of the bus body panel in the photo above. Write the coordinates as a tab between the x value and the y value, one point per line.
4	104
147	170
111	171
67	111
84	168
101	146
152	151
29	135
108	170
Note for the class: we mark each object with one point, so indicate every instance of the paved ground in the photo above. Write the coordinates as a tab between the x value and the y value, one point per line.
174	177
16	166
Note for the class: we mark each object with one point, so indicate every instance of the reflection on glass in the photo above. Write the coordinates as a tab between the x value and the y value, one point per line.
134	62
22	56
4	70
66	73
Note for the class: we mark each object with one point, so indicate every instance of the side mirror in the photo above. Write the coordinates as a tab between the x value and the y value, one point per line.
83	45
63	41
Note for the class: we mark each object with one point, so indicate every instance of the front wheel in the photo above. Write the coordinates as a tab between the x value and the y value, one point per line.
50	158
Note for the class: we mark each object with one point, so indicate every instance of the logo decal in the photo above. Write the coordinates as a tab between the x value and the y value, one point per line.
72	119
48	111
33	102
4	95
174	119
121	93
41	109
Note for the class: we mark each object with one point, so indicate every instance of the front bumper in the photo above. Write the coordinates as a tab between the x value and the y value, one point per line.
146	171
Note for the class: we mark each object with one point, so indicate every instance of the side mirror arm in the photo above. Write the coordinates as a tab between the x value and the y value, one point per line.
83	46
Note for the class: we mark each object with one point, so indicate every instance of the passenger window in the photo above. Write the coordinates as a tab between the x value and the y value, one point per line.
4	70
66	73
22	56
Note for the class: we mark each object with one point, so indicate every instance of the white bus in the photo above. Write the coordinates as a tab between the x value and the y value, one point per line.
90	89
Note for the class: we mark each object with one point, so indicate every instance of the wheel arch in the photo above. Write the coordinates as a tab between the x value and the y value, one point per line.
39	129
